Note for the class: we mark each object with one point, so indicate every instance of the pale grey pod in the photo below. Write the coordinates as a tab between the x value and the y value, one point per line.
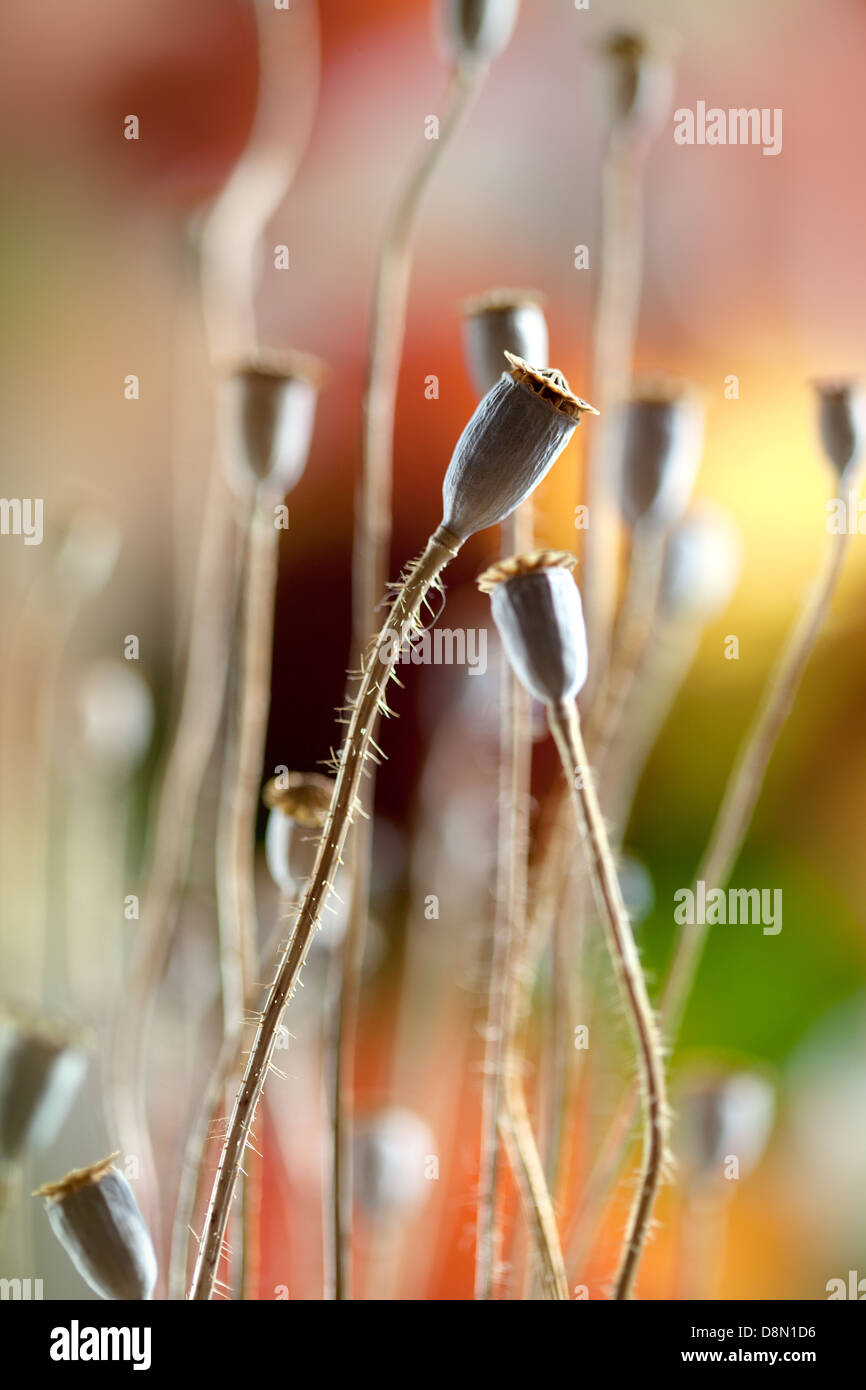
268	406
115	707
290	850
499	322
842	424
702	561
513	438
392	1148
662	435
634	80
723	1116
537	610
95	1216
42	1065
479	30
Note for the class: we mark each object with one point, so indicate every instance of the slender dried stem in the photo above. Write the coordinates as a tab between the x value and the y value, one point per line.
747	775
614	333
565	727
239	796
503	1102
358	746
369	571
729	830
201	706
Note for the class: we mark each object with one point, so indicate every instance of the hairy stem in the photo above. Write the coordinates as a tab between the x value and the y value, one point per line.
565	727
369	571
357	746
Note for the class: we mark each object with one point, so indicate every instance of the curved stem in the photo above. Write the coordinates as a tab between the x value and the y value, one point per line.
236	900
747	775
729	830
565	727
356	749
209	645
369	571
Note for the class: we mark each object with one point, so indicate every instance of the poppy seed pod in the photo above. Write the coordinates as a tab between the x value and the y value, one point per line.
634	80
267	406
701	565
502	321
537	610
42	1064
298	803
842	424
726	1115
95	1216
662	434
478	30
516	433
392	1148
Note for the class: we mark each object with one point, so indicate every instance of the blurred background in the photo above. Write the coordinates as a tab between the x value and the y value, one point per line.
753	269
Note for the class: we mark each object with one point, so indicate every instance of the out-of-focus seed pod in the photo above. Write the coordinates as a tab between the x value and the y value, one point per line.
478	30
298	804
94	1215
42	1064
88	553
512	440
392	1149
842	424
634	80
662	434
499	322
724	1115
702	560
536	607
268	405
116	714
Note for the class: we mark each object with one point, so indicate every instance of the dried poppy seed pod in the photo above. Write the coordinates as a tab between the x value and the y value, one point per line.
115	708
726	1115
95	1216
42	1065
634	79
478	30
516	433
703	555
536	607
298	803
662	434
392	1148
842	424
268	405
499	322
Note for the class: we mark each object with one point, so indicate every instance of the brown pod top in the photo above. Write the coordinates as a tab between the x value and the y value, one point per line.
537	610
94	1215
513	438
